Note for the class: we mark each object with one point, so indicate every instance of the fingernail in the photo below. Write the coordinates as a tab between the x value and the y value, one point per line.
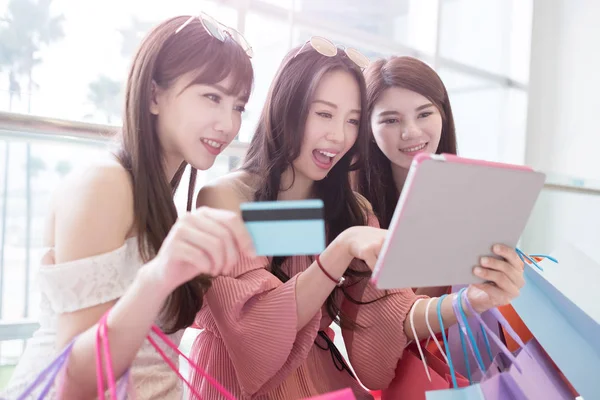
478	271
485	260
497	248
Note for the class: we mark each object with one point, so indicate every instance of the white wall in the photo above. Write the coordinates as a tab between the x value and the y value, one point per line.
563	127
564	88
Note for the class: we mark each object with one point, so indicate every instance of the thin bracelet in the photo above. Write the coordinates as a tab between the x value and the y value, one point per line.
338	282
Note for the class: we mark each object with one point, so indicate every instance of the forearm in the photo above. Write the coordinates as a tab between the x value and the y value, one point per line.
448	317
313	286
128	323
434	291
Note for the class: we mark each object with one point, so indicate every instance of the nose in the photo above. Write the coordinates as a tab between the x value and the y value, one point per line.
224	121
336	134
409	131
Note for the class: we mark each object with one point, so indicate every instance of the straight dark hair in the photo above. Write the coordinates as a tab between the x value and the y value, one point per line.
277	142
162	58
376	181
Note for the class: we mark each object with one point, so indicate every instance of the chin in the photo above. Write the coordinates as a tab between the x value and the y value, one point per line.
202	163
312	174
319	177
403	162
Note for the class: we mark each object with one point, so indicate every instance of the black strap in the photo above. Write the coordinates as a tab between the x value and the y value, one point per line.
336	356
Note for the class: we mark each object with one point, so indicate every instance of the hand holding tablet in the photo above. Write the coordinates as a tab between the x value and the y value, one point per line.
451	212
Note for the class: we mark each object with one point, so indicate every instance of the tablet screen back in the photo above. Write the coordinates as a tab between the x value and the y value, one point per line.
450	214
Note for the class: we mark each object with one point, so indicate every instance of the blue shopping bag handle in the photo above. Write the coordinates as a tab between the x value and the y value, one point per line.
445	340
462	321
462	339
524	257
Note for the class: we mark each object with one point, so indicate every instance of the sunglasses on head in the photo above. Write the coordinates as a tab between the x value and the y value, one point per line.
219	31
327	48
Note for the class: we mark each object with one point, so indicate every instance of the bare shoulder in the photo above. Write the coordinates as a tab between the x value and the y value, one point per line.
227	192
92	211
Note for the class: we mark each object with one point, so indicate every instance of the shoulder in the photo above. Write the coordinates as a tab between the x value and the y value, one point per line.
92	211
227	192
364	204
367	209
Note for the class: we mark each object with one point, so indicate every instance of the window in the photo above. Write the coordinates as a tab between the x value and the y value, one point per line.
87	64
24	212
408	22
491	35
270	39
490	119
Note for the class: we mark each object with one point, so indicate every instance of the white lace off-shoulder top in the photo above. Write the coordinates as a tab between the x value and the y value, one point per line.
81	284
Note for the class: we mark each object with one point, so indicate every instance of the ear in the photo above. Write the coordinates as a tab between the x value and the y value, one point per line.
154	93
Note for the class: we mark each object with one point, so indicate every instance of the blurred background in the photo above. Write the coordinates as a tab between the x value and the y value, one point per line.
522	77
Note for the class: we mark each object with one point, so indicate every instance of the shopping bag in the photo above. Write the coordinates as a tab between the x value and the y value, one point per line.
345	394
475	391
481	341
526	375
472	392
411	381
559	305
513	318
49	376
116	391
155	330
419	370
212	381
441	368
511	315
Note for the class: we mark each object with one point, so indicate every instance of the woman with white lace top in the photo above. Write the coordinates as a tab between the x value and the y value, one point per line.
114	238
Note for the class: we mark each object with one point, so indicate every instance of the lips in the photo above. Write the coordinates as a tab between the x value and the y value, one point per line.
323	158
213	146
414	149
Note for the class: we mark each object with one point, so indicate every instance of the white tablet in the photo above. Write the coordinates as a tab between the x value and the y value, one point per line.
451	212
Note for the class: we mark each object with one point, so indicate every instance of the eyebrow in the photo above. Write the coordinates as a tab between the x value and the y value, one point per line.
388	113
392	112
228	92
330	104
424	106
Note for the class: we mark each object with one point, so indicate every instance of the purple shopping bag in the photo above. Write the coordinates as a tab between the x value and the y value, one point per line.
41	387
490	347
528	375
47	376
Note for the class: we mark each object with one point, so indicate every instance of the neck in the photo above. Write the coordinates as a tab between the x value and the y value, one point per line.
296	187
171	164
399	175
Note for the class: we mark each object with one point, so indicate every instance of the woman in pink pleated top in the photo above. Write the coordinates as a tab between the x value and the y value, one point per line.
266	326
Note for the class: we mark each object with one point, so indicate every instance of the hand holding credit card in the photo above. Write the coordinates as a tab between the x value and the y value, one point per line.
285	228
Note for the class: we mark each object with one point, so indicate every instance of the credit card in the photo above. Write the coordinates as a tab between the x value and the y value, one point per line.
286	228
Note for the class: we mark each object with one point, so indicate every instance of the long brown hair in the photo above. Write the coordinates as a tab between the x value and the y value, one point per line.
376	181
277	142
163	57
